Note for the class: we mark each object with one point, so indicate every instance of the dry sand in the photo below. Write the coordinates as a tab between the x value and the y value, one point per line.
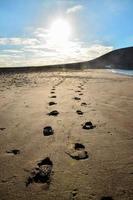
106	174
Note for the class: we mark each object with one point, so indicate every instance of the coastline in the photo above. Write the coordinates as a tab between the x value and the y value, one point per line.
122	72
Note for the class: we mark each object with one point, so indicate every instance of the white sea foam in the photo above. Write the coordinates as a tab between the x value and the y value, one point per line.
122	71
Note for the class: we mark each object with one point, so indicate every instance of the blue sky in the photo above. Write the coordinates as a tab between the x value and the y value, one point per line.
97	26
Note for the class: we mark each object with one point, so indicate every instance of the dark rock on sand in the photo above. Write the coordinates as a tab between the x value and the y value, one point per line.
88	125
48	131
42	173
53	113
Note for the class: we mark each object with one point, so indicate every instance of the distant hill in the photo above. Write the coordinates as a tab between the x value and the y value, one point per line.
120	59
117	59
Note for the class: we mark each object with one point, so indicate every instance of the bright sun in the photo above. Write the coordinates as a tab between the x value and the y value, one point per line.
60	31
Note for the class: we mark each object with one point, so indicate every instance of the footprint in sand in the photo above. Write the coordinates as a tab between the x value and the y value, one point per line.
79	146
107	198
88	125
53	96
81	94
77	91
79	112
73	194
53	88
48	131
52	92
77	98
51	103
53	113
41	173
83	104
13	151
2	129
77	152
81	88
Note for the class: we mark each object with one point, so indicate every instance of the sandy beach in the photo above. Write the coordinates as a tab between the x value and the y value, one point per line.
100	167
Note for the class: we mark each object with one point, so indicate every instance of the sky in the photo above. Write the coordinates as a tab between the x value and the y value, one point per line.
44	32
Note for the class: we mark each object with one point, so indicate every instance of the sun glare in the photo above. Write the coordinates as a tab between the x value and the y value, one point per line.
60	31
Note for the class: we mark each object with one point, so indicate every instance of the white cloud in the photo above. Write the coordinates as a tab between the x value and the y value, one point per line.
74	9
12	51
39	50
18	41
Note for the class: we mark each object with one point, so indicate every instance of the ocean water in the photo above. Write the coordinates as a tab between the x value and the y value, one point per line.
123	72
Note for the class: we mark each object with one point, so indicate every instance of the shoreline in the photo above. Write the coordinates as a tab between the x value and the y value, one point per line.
121	72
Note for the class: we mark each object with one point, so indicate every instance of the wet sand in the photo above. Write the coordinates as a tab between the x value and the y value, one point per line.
77	161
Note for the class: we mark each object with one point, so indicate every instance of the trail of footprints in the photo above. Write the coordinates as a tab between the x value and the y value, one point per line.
43	171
